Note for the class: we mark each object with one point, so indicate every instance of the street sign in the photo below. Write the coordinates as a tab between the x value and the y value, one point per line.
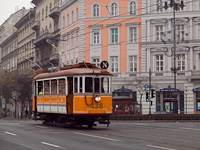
3	103
104	64
146	86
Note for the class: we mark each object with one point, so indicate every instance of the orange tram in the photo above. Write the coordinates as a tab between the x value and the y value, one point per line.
77	95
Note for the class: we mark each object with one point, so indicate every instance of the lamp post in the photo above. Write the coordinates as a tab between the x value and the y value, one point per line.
60	53
175	5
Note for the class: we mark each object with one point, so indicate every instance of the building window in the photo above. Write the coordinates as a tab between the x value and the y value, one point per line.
180	32
96	36
133	34
114	63
114	35
46	11
77	39
77	13
159	5
72	15
67	19
199	30
63	21
96	61
72	40
181	62
133	8
133	63
114	9
42	14
159	62
95	10
159	30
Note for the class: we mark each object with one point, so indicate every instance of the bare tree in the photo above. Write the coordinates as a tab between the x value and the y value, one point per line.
139	83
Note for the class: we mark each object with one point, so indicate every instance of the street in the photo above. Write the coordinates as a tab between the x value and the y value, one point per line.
33	135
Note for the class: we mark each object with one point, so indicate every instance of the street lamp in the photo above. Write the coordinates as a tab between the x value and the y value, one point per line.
60	53
175	5
33	62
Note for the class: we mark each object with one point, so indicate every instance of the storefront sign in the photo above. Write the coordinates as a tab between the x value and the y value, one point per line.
169	90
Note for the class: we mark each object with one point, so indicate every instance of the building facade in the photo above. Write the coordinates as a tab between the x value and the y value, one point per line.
7	30
104	30
46	26
26	37
158	54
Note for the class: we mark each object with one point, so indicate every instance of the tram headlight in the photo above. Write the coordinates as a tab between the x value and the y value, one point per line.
97	98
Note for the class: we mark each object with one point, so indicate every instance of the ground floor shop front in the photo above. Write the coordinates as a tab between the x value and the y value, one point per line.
184	100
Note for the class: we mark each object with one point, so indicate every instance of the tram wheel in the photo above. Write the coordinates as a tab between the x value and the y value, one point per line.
90	126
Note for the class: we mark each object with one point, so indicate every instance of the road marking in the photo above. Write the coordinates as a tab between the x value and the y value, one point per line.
10	133
96	136
160	147
41	127
14	123
190	129
50	144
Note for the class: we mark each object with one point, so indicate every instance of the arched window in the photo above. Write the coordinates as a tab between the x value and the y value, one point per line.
159	5
114	8
133	7
95	10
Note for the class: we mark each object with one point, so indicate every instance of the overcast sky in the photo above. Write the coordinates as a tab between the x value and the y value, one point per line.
8	7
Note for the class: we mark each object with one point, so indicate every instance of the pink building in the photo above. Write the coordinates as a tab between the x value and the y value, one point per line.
97	30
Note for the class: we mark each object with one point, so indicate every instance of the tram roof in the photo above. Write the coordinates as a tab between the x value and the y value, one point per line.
78	69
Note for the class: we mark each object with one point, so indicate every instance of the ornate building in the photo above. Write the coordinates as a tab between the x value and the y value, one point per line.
46	26
26	37
158	54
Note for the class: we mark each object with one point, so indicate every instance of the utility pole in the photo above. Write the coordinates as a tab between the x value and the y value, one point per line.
150	91
175	6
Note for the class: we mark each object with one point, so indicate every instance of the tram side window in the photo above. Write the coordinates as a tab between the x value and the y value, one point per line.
61	86
105	85
40	88
46	87
81	85
70	85
54	87
88	84
75	85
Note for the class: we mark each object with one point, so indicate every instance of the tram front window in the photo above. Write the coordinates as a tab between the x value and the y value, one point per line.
88	84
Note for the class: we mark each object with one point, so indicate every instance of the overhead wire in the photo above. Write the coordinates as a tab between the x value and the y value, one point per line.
127	41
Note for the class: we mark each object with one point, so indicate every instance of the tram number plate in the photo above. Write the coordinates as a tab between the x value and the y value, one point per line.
97	105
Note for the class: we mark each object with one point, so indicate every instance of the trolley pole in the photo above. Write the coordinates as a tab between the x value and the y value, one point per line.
150	91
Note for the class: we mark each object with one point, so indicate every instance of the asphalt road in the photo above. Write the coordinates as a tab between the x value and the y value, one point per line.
31	135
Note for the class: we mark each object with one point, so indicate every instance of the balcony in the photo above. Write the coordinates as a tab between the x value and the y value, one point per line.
56	35
42	37
54	13
35	25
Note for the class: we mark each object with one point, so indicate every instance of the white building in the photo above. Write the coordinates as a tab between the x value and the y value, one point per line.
157	54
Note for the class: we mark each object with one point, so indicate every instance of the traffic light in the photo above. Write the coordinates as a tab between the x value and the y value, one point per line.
147	96
153	93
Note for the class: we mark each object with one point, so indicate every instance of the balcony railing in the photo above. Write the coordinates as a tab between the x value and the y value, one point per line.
42	37
54	13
